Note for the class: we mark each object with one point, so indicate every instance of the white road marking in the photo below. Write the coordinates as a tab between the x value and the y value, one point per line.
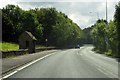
101	69
19	69
106	71
9	75
103	72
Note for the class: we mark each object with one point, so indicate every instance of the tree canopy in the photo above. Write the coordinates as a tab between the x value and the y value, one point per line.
44	23
117	20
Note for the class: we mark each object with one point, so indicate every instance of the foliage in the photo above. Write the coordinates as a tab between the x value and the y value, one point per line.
44	23
65	31
5	46
117	19
105	37
109	53
87	39
99	35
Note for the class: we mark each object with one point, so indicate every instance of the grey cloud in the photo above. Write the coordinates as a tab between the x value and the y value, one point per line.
87	10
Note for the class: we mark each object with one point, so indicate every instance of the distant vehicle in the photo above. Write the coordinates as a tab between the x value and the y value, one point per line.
77	46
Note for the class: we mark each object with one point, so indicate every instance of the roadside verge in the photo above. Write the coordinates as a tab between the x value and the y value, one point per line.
9	64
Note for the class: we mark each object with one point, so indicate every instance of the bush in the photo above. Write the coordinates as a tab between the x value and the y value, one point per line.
98	51
109	53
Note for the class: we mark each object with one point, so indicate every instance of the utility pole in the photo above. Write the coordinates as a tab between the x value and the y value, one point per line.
106	12
46	40
106	38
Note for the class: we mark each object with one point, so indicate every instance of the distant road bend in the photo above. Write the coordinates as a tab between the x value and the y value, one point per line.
72	63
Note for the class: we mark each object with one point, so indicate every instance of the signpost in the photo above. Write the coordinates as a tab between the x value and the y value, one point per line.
46	40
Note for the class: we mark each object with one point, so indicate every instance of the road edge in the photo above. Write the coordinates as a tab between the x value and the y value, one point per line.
24	65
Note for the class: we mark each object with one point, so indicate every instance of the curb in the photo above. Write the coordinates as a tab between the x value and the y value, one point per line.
12	68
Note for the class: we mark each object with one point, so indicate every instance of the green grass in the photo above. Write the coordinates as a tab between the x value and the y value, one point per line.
6	46
109	53
98	51
40	46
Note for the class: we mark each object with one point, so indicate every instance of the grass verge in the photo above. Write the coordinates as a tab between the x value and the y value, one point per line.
7	46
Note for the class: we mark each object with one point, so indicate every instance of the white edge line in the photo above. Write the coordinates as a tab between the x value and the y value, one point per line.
19	69
107	73
101	69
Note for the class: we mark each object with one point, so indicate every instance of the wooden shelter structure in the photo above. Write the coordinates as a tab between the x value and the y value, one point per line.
27	41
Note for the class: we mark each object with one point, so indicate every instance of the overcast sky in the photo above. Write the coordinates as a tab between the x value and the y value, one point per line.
83	13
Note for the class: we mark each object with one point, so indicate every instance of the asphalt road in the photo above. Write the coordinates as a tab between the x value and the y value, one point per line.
72	63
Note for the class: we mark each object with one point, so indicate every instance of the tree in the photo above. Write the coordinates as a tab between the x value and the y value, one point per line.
28	22
11	22
112	37
46	17
43	23
65	32
87	35
99	35
117	20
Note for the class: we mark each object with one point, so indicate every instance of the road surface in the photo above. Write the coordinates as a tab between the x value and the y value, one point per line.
72	63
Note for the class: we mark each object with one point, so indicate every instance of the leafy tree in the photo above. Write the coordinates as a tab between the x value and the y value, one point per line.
43	23
87	35
46	17
11	22
28	22
7	29
112	37
65	32
117	19
99	35
15	21
100	32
